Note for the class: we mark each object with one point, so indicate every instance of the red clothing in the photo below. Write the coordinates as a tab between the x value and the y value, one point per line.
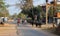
18	21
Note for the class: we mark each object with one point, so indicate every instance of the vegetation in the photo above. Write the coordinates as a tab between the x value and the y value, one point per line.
21	15
51	12
32	12
3	9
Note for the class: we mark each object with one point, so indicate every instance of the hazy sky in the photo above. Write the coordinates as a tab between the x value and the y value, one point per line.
13	9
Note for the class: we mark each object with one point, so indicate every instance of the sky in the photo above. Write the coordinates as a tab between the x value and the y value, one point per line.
12	9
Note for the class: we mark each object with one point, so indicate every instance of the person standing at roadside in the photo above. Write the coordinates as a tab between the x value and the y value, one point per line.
3	19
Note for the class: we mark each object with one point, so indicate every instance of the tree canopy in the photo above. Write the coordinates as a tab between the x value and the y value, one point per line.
3	10
32	12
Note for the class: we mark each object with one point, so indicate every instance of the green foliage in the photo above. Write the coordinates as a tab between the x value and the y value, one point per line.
33	11
25	11
21	15
1	15
7	13
27	4
14	15
51	11
3	11
2	4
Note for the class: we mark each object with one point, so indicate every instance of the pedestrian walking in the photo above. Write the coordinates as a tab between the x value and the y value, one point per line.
18	21
22	21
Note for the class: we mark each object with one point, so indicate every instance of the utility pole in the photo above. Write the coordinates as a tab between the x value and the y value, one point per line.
47	7
54	11
46	12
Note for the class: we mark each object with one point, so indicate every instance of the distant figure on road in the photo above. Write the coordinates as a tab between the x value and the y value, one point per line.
25	21
22	21
18	21
3	19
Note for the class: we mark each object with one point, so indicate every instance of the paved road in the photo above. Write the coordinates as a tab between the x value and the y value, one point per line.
27	30
10	29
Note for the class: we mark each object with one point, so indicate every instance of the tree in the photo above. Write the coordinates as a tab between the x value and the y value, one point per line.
33	11
1	14
14	15
51	11
7	13
24	4
3	10
2	5
21	15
